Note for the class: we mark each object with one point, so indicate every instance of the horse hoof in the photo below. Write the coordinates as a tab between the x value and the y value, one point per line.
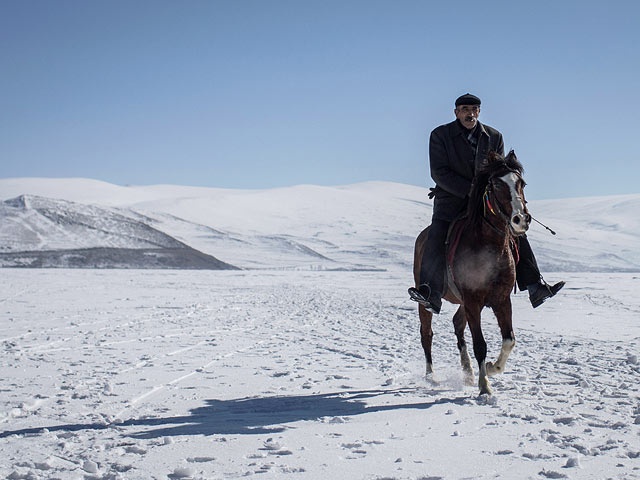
486	391
485	387
492	369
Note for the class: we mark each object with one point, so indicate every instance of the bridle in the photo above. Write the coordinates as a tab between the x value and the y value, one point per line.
498	211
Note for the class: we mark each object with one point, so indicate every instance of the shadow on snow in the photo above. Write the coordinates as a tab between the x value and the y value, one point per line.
255	415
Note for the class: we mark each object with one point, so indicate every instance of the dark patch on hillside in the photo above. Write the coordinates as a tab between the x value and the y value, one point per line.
129	258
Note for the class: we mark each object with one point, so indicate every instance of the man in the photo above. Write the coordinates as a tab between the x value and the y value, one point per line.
455	152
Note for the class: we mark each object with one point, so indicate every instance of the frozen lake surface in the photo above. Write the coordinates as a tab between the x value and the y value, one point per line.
130	374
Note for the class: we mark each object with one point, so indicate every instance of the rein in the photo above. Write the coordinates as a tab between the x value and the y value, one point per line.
487	205
509	231
489	208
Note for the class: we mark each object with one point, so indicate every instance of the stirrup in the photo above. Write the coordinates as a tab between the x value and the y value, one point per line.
419	297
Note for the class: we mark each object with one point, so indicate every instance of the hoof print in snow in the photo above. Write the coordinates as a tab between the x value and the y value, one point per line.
275	448
90	467
136	449
564	420
572	462
200	459
552	474
182	472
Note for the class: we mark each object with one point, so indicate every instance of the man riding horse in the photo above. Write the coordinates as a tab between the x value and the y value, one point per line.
456	150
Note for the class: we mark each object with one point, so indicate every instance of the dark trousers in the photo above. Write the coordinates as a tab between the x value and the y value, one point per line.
433	260
527	271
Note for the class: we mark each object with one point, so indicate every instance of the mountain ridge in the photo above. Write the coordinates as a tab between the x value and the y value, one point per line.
363	226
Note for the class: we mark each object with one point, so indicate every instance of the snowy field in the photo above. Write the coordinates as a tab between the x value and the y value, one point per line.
155	374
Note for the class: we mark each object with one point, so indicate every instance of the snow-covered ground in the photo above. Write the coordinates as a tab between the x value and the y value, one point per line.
306	374
290	370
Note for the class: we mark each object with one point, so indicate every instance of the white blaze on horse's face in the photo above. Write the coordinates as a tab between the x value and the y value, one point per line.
520	218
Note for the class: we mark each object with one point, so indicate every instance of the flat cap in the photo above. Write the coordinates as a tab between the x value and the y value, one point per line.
467	99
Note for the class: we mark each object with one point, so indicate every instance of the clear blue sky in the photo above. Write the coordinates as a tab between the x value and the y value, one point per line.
258	94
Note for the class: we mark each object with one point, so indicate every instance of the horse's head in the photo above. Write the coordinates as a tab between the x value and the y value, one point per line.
499	181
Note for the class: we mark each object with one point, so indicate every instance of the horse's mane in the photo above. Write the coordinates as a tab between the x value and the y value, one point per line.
494	165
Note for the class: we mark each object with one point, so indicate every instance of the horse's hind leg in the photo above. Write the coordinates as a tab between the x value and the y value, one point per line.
459	324
503	314
426	335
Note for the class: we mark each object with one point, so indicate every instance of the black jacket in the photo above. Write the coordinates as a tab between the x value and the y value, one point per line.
453	165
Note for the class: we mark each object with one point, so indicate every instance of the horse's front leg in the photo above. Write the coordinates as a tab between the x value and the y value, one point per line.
472	314
503	314
426	336
459	325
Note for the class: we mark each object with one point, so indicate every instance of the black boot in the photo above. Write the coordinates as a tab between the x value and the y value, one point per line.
424	296
432	268
542	291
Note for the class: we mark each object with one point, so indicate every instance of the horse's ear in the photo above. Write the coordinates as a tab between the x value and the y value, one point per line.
512	162
493	156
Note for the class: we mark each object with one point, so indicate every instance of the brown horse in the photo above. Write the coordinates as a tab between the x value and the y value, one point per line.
482	273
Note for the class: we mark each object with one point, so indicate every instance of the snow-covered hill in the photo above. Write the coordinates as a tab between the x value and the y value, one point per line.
38	223
369	225
42	232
